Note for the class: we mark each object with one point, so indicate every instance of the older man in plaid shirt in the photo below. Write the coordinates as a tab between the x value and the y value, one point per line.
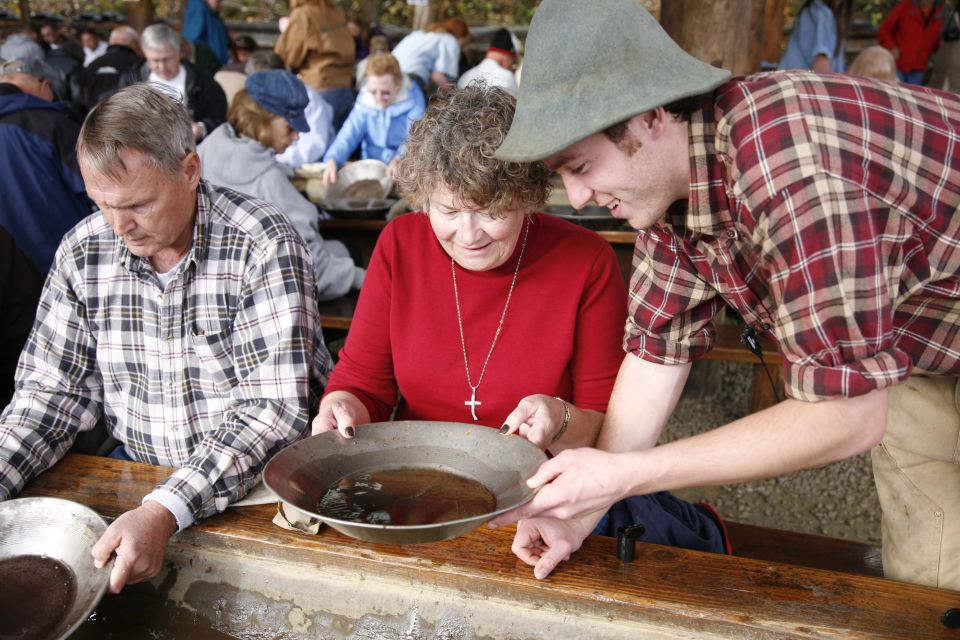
822	209
183	317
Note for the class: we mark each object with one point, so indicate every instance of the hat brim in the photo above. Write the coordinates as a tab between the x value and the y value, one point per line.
299	123
571	91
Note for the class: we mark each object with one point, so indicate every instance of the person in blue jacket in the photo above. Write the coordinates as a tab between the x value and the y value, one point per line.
388	104
205	30
816	42
43	197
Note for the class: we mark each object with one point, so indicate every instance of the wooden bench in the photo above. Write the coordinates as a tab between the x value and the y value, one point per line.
778	585
807	550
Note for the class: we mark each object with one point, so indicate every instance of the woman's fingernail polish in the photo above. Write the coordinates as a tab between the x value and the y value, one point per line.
505	428
349	431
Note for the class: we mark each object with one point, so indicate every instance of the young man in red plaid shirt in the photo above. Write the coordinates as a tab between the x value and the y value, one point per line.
823	209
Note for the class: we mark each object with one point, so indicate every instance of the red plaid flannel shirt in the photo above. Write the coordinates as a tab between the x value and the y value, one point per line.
824	210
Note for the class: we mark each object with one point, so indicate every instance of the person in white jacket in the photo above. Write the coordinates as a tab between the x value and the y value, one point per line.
263	120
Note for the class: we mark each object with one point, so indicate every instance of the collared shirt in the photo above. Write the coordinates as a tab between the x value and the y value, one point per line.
824	210
210	375
177	82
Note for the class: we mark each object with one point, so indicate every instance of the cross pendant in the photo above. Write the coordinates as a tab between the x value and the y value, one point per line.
473	402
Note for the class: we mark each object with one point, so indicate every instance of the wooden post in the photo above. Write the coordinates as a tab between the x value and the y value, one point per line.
371	11
140	13
25	13
422	16
733	34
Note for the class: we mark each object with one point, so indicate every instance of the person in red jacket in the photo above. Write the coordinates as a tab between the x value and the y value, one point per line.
911	31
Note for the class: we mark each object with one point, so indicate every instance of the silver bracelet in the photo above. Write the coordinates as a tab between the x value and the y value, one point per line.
566	419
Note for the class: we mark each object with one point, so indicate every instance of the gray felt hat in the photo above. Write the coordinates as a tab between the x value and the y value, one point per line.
589	65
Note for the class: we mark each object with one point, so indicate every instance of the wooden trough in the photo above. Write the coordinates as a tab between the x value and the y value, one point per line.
247	578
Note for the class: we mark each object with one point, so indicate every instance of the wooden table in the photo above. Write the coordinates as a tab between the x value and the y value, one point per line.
664	593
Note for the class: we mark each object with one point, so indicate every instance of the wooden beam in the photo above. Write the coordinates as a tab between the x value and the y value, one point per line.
140	13
25	13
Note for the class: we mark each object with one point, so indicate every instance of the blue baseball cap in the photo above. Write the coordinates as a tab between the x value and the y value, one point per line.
281	93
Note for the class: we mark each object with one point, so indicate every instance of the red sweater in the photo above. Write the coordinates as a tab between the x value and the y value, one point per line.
915	34
562	334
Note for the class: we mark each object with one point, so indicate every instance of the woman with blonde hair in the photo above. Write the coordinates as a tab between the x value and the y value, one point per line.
388	104
874	62
263	120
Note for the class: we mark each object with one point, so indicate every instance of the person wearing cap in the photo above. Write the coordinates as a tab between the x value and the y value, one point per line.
205	100
821	208
242	47
497	68
181	318
43	197
263	120
388	104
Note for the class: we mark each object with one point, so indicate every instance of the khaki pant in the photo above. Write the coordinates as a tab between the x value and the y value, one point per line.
917	471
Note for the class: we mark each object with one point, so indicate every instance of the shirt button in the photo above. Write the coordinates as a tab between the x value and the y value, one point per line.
732	234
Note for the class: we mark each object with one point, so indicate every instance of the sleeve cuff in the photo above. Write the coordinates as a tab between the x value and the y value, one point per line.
174	505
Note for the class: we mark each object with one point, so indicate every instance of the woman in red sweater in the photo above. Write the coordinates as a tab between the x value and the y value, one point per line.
479	310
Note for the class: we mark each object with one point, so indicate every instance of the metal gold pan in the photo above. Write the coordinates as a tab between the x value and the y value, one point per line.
61	530
302	473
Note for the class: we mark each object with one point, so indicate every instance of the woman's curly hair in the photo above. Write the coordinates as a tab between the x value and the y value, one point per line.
452	147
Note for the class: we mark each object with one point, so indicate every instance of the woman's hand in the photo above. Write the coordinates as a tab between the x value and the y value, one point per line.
329	172
340	410
537	418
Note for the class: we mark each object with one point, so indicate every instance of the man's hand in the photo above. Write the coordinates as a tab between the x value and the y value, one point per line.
575	483
544	543
139	538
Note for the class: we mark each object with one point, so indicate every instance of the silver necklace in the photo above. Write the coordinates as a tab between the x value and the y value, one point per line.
473	402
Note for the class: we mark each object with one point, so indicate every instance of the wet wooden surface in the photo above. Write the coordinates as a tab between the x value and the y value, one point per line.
687	591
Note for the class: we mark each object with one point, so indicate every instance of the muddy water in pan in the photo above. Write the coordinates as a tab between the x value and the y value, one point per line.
35	594
407	496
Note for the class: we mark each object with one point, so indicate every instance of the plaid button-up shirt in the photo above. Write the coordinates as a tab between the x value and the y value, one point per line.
210	375
824	210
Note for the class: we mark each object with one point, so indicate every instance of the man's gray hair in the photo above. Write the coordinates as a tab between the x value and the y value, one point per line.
143	117
262	61
160	36
124	35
